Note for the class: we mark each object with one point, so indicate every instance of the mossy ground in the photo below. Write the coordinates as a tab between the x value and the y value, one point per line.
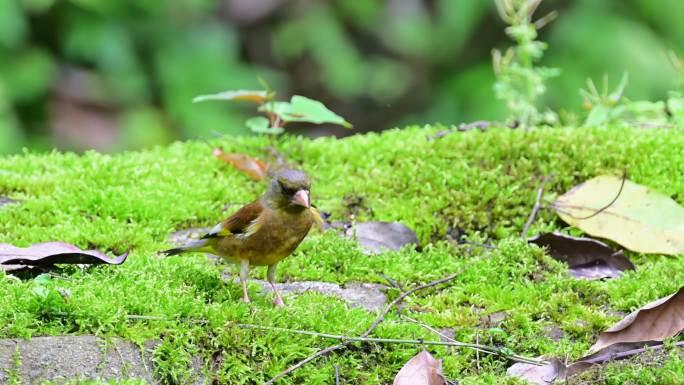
481	183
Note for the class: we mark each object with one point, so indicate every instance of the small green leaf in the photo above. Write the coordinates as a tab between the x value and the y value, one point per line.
506	351
41	291
249	95
260	125
499	331
312	111
43	279
257	124
282	109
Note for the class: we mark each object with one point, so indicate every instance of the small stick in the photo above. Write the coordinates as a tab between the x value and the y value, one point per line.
348	340
618	356
337	374
535	209
391	281
365	334
477	347
477	353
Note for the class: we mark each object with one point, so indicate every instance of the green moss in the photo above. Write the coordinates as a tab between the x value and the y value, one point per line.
481	183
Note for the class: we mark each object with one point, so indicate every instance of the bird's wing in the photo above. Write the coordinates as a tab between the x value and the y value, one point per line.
242	221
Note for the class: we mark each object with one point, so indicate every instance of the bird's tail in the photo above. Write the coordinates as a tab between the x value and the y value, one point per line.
197	245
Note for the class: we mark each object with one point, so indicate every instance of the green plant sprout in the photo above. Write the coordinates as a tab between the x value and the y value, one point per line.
518	81
604	106
278	113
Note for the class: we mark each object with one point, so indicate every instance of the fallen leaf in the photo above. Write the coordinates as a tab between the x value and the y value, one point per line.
248	95
640	219
536	374
376	237
253	167
555	370
51	253
587	258
422	369
656	321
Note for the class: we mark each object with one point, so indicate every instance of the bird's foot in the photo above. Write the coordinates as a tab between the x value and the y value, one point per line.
278	302
245	299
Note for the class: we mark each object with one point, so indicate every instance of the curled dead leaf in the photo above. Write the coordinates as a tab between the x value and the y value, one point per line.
540	375
656	321
587	258
253	167
422	369
51	253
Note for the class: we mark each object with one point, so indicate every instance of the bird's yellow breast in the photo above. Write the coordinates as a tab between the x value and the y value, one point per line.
268	240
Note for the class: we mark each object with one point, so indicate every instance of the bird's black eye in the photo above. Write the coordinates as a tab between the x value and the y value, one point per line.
287	190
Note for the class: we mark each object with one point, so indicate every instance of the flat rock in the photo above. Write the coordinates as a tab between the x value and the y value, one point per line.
66	358
6	201
369	296
63	358
184	236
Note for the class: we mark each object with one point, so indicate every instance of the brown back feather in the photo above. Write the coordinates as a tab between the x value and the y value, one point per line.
240	220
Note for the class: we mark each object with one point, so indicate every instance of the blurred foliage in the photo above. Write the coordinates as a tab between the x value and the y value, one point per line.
118	74
519	81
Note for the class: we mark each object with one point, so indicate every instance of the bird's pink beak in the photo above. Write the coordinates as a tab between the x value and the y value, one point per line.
301	198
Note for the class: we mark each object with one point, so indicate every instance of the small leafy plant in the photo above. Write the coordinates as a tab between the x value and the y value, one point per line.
604	106
278	113
519	82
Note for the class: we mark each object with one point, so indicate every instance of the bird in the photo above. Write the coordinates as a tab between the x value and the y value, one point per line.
263	232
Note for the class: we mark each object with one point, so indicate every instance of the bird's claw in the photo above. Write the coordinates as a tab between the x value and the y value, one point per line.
278	302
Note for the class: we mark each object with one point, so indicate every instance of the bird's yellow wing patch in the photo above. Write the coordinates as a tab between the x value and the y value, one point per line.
318	222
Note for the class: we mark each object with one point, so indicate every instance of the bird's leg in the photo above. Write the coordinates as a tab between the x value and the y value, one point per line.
244	277
278	301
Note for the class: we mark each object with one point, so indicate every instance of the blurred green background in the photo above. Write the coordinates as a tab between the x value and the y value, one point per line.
120	74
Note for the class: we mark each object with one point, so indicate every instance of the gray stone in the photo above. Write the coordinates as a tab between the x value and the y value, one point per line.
72	357
369	296
6	201
64	358
182	237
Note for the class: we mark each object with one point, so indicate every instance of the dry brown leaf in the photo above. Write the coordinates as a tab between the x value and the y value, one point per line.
51	253
586	258
536	374
422	369
253	167
656	321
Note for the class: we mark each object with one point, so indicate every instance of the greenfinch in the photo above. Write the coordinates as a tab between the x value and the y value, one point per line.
263	232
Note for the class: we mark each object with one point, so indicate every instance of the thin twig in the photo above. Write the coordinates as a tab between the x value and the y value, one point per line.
478	347
400	298
337	374
535	209
597	212
391	281
626	354
348	340
365	334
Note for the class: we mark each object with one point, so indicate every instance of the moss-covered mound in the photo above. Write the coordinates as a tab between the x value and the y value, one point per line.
478	184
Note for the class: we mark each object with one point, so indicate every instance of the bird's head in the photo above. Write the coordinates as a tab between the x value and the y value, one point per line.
289	189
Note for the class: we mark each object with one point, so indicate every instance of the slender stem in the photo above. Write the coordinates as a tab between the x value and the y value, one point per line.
368	331
347	339
479	348
535	209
